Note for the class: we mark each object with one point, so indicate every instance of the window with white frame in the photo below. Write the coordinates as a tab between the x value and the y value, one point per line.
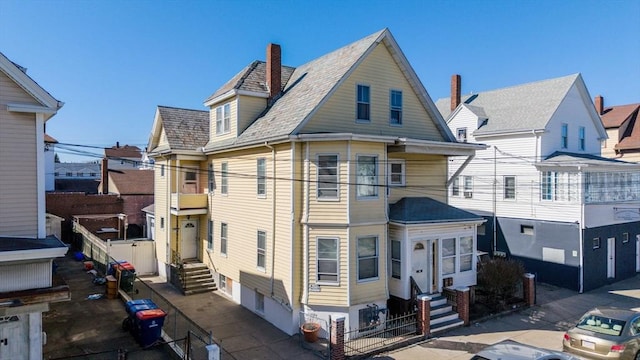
396	173
509	187
210	235
367	258
462	134
327	184
363	103
455	187
261	169
395	102
211	180
466	253
611	186
468	187
448	256
224	178
259	303
564	143
559	186
222	282
327	260
223	119
396	259
596	243
162	170
262	250
367	176
223	238
581	135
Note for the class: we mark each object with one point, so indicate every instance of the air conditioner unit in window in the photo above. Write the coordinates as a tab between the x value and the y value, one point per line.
468	194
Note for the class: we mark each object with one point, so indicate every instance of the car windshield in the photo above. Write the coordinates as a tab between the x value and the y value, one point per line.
601	324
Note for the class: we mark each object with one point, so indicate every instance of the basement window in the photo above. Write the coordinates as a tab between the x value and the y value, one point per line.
596	243
625	237
526	229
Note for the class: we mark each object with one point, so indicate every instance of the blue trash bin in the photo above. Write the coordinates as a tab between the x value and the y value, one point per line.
149	326
133	306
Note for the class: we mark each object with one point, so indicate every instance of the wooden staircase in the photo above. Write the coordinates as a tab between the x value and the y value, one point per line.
442	315
197	278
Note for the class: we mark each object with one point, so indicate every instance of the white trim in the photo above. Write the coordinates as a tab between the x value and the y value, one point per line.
377	176
358	280
338	182
233	92
40	176
188	212
403	173
317	258
27	108
32	254
358	120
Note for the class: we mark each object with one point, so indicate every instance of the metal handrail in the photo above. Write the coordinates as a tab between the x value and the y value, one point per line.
211	261
415	291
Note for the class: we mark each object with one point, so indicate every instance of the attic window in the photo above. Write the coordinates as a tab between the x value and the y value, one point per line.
462	134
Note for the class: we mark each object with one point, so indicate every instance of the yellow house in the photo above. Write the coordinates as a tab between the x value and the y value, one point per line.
314	191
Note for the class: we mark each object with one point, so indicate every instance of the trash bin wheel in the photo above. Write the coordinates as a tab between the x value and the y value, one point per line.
127	324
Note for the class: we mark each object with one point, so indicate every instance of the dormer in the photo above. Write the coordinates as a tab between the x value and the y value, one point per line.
240	101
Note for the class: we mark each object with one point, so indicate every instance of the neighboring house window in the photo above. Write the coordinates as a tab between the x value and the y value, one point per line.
363	103
448	256
210	235
559	186
547	185
625	237
262	176
596	243
466	253
162	170
396	260
81	174
395	116
91	174
396	172
367	176
262	250
367	258
611	186
509	187
368	318
259	303
455	188
222	283
462	134
526	229
161	223
211	179
223	119
224	182
582	141
223	239
565	136
468	187
327	177
69	174
327	264
57	174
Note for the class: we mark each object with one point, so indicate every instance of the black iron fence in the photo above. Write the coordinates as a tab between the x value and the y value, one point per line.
392	332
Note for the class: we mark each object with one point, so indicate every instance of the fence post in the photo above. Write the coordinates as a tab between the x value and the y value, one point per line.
424	315
462	302
337	339
529	288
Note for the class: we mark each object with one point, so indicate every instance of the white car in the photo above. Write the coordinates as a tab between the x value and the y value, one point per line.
512	350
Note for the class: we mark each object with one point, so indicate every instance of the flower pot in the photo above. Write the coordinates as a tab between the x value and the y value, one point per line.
310	331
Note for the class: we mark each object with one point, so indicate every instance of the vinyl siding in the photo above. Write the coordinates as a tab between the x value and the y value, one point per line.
161	199
329	295
233	121
379	71
296	228
249	107
13	93
367	210
368	290
22	276
425	175
328	211
162	140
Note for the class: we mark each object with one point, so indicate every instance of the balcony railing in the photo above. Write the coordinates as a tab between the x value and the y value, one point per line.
188	201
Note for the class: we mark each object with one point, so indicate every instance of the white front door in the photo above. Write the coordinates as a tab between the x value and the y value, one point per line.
420	265
189	239
611	257
14	339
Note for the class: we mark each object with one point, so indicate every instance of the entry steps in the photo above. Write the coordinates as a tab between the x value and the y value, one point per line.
442	315
197	278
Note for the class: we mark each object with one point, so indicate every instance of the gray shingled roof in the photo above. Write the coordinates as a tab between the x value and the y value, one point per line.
517	108
573	159
186	129
252	78
413	210
8	243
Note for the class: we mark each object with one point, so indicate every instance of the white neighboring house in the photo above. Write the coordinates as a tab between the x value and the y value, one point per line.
570	215
78	171
125	157
49	162
26	252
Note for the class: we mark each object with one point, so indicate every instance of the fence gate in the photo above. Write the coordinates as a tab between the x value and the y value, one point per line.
377	337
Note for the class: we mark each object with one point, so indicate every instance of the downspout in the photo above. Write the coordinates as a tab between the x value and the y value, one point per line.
386	224
292	230
348	221
581	233
273	216
305	222
495	215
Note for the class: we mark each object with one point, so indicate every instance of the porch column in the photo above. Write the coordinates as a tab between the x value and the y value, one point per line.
529	287
463	302
424	315
337	339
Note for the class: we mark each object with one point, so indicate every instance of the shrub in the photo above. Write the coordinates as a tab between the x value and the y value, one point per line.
499	279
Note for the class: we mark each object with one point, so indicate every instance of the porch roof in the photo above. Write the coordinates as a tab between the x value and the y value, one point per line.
413	210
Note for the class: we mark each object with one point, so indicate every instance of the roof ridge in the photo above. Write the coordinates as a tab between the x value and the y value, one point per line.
177	108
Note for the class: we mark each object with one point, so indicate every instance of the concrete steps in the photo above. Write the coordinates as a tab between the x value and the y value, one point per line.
197	279
442	315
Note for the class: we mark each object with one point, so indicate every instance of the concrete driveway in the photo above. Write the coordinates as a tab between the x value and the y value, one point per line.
542	325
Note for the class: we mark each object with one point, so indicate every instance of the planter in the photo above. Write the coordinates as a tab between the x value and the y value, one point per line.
310	331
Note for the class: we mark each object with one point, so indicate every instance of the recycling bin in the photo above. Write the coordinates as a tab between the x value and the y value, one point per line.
133	306
148	326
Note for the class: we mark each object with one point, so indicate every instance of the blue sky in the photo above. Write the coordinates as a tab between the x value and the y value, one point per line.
113	62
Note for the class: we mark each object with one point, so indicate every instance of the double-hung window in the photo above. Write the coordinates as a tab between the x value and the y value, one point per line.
455	187
210	235
462	134
367	176
223	238
509	187
223	119
396	259
262	250
327	185
327	263
448	256
565	136
368	258
261	177
396	172
395	102
211	180
466	253
547	185
468	187
363	104
224	182
581	135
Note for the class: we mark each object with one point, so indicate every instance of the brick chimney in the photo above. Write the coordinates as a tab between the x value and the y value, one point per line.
274	70
599	103
456	87
105	175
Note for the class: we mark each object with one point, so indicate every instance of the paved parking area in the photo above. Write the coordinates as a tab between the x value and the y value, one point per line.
542	325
